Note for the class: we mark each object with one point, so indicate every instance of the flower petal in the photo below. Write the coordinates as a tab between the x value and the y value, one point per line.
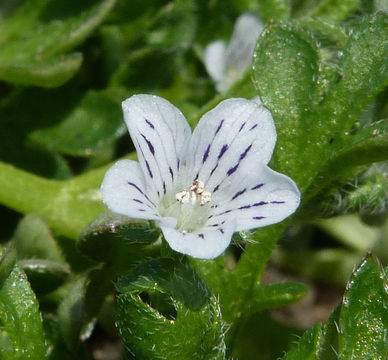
214	59
207	244
159	132
255	197
123	191
242	44
237	131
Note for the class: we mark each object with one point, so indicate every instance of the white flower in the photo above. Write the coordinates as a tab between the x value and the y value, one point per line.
227	64
200	188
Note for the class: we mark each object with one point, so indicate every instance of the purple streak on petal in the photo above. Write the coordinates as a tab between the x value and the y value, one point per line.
164	187
223	213
140	191
178	163
237	194
150	146
150	124
221	230
139	201
242	156
201	236
258	217
149	169
242	126
260	203
171	172
278	202
206	154
253	127
214	169
141	209
216	188
219	127
233	169
214	225
257	187
222	152
244	207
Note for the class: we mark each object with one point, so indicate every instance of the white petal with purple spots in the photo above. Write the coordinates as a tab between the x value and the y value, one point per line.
237	131
159	132
258	198
123	191
206	244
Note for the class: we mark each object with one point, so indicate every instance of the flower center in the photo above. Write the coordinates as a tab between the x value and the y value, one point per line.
190	207
196	193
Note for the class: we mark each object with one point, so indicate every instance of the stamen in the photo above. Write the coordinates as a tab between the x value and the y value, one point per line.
195	193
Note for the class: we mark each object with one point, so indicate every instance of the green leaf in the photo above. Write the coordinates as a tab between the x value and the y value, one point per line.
120	242
236	288
175	26
147	334
20	320
43	275
363	72
286	70
307	347
51	72
329	341
335	10
366	194
57	349
274	9
71	312
285	65
368	145
33	39
262	337
15	147
92	125
275	296
33	239
111	236
363	320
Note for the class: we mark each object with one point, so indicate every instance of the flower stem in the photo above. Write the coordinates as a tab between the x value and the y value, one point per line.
67	206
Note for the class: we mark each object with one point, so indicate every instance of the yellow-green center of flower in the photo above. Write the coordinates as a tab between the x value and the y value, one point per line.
191	207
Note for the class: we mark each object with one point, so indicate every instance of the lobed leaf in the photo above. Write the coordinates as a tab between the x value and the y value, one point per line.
148	334
112	236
